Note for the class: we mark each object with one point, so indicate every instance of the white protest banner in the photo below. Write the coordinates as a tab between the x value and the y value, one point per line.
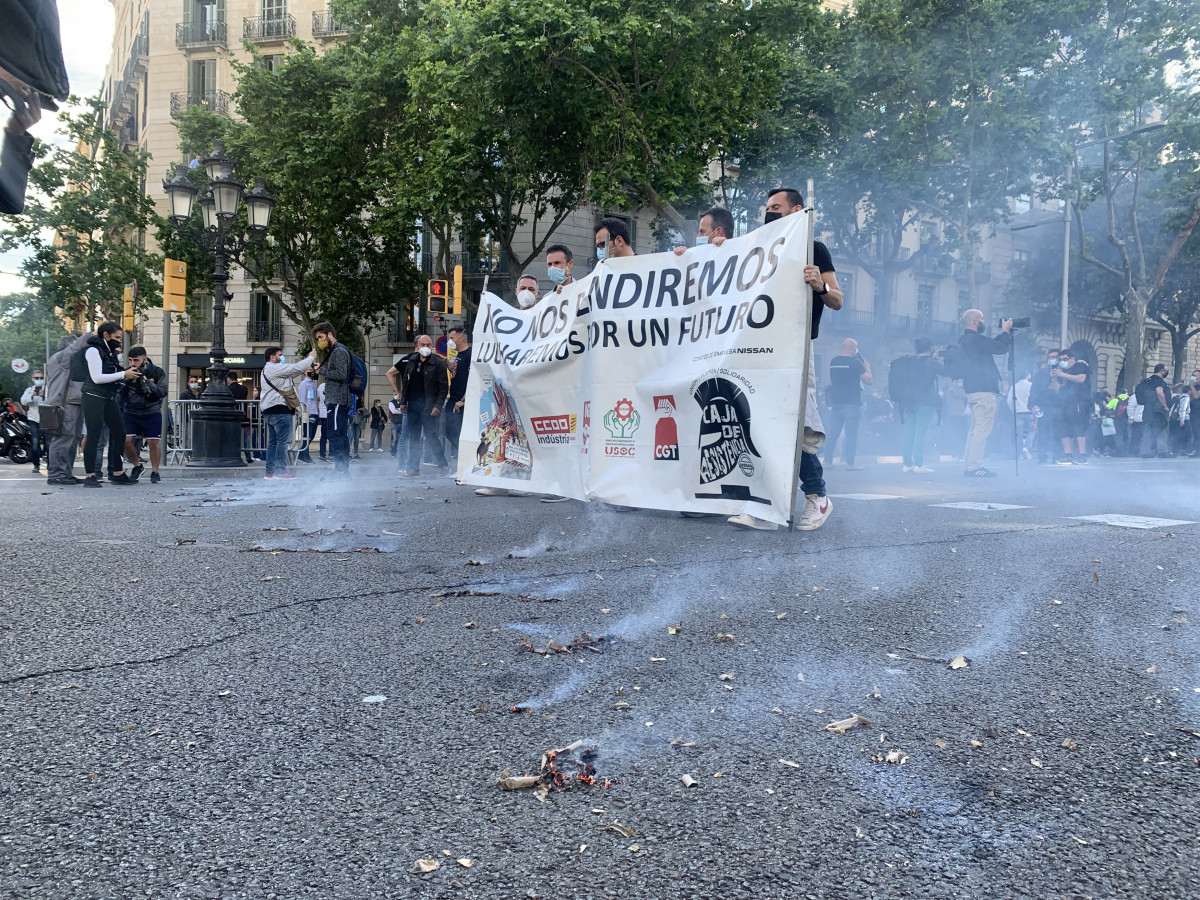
658	381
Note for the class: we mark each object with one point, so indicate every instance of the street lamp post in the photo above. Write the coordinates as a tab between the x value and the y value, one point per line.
216	438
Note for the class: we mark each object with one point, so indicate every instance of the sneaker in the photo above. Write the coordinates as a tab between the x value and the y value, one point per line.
305	459
136	472
285	474
923	470
816	511
120	479
1062	461
745	520
689	514
443	471
908	468
1081	460
554	498
63	479
981	472
490	492
155	478
268	475
92	481
37	470
413	473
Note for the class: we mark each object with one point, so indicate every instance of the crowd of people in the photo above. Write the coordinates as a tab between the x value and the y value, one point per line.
317	403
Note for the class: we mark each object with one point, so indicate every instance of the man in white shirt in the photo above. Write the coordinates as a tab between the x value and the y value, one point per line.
279	403
31	399
1018	399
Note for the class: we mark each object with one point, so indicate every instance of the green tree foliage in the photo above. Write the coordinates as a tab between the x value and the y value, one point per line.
1129	64
85	221
332	252
25	321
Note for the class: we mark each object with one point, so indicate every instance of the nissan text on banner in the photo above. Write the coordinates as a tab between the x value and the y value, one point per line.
658	381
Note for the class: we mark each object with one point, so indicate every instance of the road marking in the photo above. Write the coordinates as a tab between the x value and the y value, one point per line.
1132	521
966	504
867	496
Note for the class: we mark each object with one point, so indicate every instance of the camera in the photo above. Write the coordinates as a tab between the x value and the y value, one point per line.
1016	323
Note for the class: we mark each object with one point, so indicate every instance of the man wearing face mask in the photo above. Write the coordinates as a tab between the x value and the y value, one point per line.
97	367
34	395
822	278
527	291
423	390
612	240
192	391
981	381
559	263
1073	376
716	227
460	372
141	404
1046	404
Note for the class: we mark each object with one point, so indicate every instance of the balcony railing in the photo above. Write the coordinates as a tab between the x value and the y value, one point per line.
919	326
195	332
268	28
201	34
399	333
325	25
215	101
129	133
480	265
983	272
264	332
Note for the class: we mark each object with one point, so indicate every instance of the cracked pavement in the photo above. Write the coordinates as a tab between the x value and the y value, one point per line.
183	669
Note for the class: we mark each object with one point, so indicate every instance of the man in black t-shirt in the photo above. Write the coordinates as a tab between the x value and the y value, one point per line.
1074	376
241	394
460	372
1156	412
847	374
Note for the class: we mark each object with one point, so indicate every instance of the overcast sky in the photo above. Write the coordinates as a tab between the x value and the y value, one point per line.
87	30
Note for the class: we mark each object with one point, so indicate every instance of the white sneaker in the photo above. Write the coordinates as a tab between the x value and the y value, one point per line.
745	520
490	492
907	468
816	511
923	470
554	498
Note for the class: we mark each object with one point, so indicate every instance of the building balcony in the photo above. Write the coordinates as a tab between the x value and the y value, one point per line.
128	135
399	333
920	326
983	272
474	264
268	29
215	101
264	332
195	332
195	35
324	25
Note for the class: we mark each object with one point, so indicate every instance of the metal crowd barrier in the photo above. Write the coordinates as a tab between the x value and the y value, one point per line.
254	431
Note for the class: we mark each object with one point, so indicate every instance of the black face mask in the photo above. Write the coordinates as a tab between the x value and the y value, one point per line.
771	216
113	345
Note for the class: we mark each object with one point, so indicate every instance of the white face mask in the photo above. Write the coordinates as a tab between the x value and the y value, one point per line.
450	345
425	351
526	298
701	240
38	382
282	358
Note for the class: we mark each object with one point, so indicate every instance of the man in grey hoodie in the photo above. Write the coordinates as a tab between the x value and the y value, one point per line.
64	393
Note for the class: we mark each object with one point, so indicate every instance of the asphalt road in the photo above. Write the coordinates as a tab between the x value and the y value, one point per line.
185	714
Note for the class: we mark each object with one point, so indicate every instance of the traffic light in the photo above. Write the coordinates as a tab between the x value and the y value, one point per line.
127	316
438	294
174	285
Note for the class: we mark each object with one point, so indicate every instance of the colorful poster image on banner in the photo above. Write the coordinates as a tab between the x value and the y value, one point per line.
503	450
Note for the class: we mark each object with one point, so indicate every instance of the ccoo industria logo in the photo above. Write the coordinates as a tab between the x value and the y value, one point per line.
554	429
725	441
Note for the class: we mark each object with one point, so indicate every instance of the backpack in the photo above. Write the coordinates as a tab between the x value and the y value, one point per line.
357	382
1144	393
954	362
903	376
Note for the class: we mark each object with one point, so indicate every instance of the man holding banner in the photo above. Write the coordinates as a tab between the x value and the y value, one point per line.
657	381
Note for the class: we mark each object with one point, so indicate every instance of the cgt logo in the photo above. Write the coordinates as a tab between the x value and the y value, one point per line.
666	433
554	424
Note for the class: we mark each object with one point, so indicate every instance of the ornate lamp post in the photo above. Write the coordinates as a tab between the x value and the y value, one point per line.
217	421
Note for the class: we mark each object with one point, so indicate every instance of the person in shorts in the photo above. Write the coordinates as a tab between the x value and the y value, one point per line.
141	406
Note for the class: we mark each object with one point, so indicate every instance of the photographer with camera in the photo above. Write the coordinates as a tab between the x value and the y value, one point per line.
141	406
981	382
1073	376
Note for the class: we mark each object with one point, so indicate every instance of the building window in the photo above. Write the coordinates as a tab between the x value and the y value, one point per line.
274	9
964	302
925	302
1021	255
271	62
846	281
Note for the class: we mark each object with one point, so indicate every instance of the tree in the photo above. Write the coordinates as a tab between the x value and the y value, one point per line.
27	323
329	245
85	221
1132	64
1177	308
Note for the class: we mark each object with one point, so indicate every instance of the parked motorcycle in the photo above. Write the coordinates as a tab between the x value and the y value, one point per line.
15	440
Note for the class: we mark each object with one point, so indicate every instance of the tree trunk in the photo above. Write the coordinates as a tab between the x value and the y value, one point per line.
1135	335
1179	353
